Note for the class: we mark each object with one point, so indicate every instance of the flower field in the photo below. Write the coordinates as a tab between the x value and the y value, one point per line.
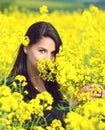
81	61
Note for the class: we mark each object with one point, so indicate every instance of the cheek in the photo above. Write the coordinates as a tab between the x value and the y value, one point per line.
38	57
53	58
34	57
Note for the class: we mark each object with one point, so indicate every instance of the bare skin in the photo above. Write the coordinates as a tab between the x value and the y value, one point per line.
91	89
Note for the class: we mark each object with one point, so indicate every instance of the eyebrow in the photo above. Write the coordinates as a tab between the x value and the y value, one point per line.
46	49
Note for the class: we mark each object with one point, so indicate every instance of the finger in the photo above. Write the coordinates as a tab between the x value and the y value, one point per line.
90	89
92	95
103	93
85	88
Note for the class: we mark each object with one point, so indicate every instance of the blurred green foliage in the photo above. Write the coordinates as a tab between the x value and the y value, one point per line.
61	5
6	3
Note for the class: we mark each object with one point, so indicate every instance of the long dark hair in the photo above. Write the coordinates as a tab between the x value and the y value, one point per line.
35	32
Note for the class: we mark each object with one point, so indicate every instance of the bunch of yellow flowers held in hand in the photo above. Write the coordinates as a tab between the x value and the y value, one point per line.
79	68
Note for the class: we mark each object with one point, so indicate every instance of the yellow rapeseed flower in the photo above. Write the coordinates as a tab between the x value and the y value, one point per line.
43	9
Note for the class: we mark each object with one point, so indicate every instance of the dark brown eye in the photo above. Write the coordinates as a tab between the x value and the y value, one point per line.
42	51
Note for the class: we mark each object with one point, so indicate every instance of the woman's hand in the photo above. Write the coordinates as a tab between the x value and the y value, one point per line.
96	90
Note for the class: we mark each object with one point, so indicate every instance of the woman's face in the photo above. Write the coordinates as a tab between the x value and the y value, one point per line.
43	49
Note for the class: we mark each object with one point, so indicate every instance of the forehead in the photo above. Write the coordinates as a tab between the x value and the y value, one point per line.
46	43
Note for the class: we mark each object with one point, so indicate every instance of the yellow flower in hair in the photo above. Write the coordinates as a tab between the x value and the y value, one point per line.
26	41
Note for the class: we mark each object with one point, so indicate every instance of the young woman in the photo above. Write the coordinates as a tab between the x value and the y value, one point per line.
44	43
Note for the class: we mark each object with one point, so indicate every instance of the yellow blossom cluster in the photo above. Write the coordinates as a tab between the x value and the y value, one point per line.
41	102
15	112
48	69
55	125
89	116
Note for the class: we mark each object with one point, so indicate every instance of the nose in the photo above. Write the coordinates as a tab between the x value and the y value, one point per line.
49	56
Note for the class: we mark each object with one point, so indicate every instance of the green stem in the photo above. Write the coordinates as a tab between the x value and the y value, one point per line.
36	123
